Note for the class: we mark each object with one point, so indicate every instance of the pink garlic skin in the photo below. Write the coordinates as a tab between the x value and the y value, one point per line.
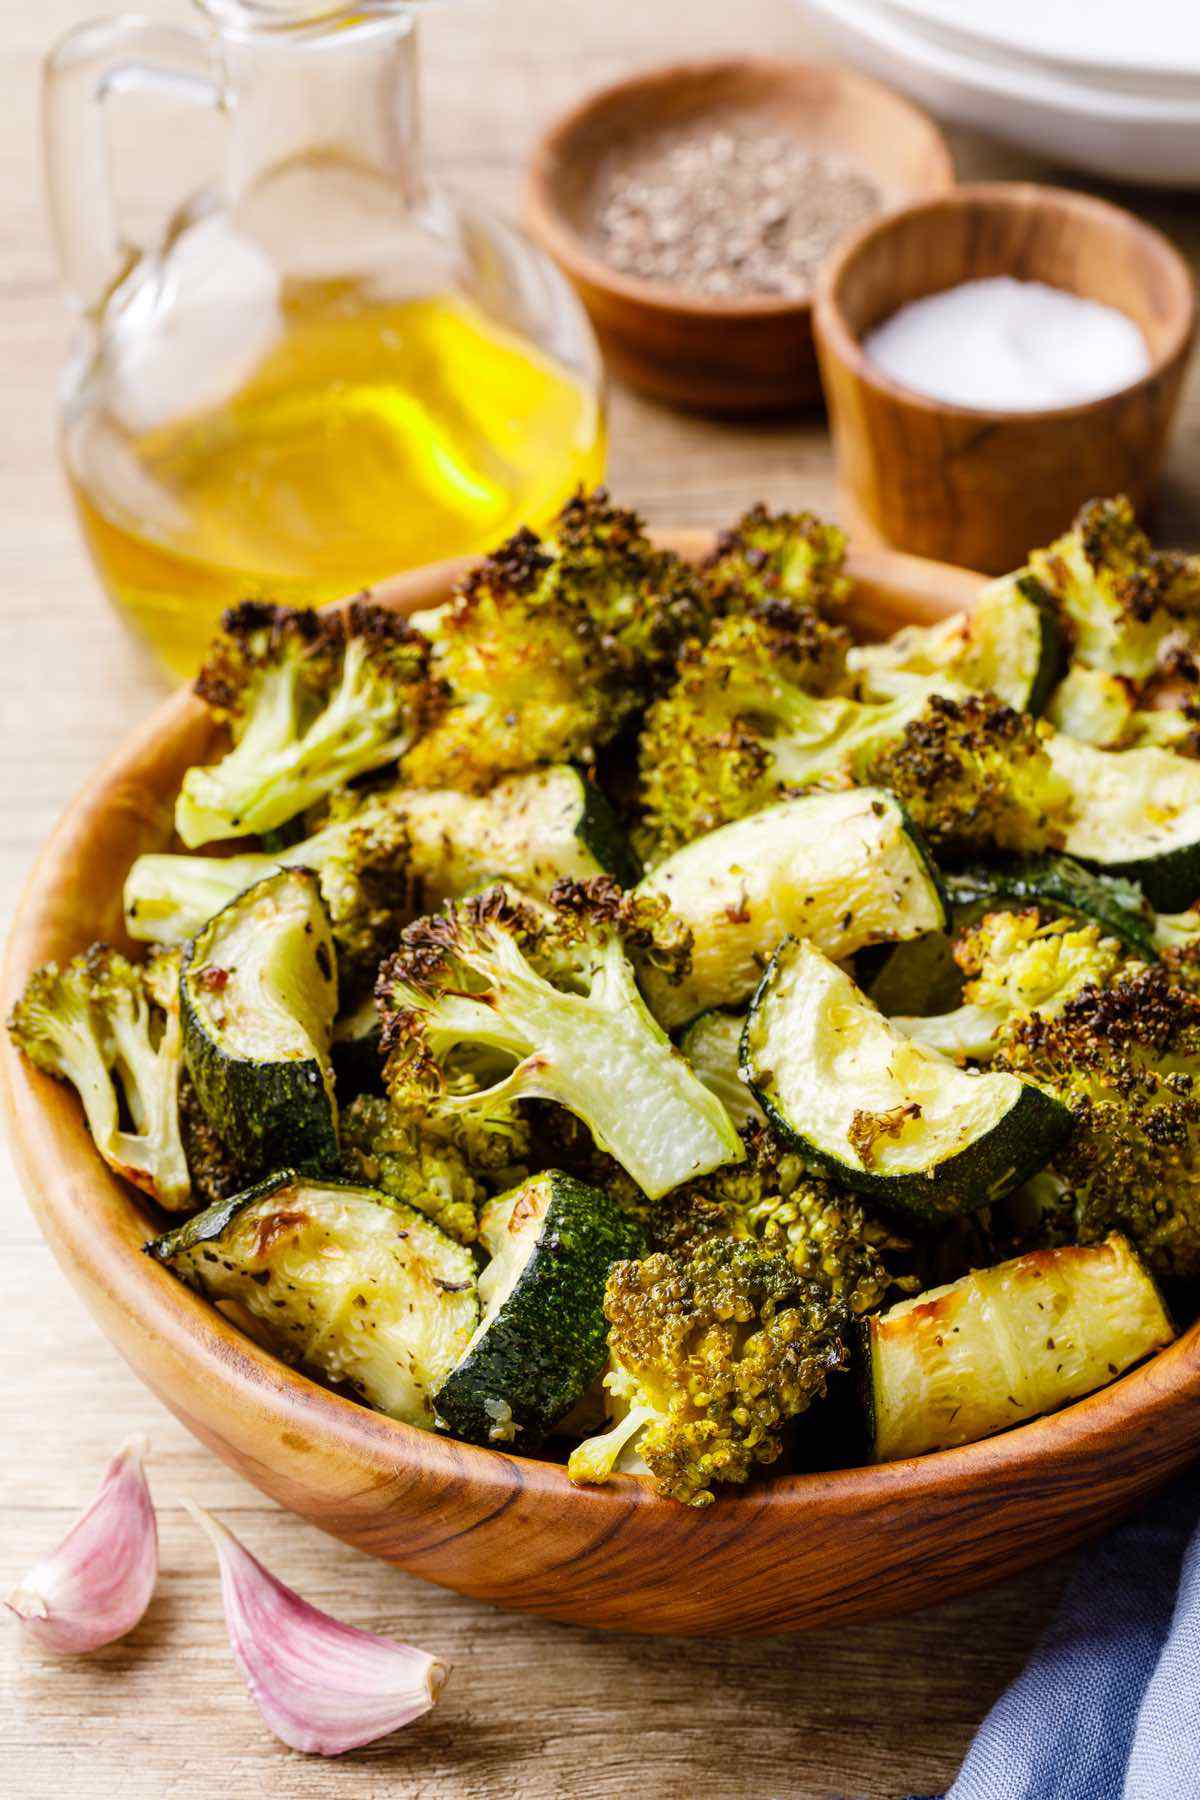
323	1687
95	1587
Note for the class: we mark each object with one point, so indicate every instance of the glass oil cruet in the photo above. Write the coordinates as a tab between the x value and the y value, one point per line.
324	372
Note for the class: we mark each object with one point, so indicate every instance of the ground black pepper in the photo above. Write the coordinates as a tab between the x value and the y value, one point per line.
730	205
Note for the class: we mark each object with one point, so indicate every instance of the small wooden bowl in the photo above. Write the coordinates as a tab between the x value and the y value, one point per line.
785	1553
750	355
980	487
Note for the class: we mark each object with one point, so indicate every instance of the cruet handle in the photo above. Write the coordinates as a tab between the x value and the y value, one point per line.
91	65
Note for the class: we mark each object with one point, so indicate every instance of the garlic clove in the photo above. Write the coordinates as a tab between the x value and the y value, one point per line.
97	1584
321	1686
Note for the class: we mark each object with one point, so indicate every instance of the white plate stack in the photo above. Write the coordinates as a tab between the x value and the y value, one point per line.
1107	85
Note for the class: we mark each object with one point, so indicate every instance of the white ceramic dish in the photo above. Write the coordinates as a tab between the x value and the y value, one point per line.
1123	136
1151	48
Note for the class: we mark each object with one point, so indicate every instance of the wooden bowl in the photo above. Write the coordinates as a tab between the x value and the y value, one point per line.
749	355
784	1553
979	487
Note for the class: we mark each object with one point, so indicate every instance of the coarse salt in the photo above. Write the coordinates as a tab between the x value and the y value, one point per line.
1008	345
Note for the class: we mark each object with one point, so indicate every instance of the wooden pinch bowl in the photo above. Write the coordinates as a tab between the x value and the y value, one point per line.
982	487
738	355
786	1552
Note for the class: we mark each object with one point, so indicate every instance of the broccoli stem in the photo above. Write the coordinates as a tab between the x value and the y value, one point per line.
595	1460
76	1056
153	1154
603	1056
967	1033
168	898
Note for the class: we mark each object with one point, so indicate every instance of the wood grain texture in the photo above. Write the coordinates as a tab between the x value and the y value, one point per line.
533	1709
978	487
786	1553
747	355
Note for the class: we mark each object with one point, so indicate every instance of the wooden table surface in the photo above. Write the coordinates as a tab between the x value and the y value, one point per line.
532	1709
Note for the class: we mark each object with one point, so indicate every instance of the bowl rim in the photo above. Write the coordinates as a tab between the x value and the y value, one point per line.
97	1233
835	334
555	231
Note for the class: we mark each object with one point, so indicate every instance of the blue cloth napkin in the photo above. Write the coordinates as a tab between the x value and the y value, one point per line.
1109	1706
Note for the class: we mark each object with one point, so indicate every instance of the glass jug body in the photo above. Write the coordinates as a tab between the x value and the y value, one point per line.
324	372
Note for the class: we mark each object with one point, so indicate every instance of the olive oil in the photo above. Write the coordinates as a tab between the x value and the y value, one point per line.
366	440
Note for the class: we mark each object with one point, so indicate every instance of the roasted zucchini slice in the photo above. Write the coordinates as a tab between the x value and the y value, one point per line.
711	1044
879	1113
1010	644
541	1341
1001	1345
258	995
547	825
845	869
343	1280
1134	813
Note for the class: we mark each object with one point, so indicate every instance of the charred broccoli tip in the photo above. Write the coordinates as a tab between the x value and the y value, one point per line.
975	774
768	556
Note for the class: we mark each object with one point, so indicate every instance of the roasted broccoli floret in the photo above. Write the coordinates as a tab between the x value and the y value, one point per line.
1126	1059
712	1353
365	868
169	897
730	1329
752	716
1015	963
548	647
748	721
1019	961
312	700
771	1200
974	776
500	998
769	557
1127	605
645	600
111	1028
384	1148
490	1135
